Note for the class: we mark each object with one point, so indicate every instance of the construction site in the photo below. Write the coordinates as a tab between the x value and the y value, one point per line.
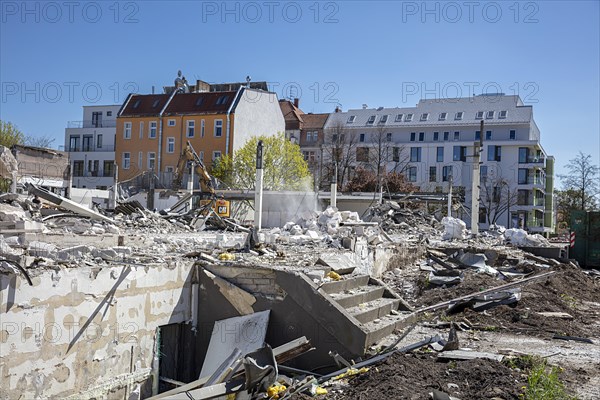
306	301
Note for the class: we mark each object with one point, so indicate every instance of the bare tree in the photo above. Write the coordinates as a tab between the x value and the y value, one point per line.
43	141
582	180
496	198
339	150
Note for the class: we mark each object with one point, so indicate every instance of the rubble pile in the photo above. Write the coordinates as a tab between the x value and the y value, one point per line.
394	218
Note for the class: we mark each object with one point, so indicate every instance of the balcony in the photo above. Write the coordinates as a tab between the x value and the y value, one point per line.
96	174
92	124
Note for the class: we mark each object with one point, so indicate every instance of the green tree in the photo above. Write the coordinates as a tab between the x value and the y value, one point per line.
582	181
10	134
283	163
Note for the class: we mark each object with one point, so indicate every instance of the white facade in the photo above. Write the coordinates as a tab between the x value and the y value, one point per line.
91	147
437	137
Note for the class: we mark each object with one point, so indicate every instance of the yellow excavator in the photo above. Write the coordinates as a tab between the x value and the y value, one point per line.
207	182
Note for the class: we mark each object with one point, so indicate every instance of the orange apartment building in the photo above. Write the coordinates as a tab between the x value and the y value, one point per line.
153	129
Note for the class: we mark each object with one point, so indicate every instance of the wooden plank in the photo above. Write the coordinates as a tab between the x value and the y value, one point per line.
469	355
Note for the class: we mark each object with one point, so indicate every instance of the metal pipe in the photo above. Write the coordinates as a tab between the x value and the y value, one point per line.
258	190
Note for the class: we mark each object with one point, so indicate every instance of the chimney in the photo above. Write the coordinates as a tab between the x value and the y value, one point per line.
338	109
296	102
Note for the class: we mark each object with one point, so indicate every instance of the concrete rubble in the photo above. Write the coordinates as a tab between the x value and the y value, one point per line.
358	281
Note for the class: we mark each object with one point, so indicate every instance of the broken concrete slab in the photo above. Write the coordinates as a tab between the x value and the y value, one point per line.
342	263
240	299
468	355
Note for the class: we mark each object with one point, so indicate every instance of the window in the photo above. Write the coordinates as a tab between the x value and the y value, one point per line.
141	129
351	119
488	135
202	128
109	113
396	154
362	154
446	136
127	130
151	160
140	160
97	119
399	117
155	104
458	116
421	136
216	155
413	136
496	193
408	118
199	101
361	138
137	103
446	173
522	197
171	122
171	145
443	116
388	136
440	154
74	143
99	141
432	174
523	155
483	172
152	133
169	169
412	174
494	153
218	130
479	115
383	119
371	120
513	135
88	142
489	115
460	153
191	128
78	168
477	135
305	153
311	156
222	100
415	154
456	136
126	160
108	169
424	116
502	114
482	215
436	136
523	175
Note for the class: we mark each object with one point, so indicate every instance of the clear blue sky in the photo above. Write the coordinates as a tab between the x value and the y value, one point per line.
57	57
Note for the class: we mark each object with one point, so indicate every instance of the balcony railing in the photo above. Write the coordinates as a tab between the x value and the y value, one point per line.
92	124
532	160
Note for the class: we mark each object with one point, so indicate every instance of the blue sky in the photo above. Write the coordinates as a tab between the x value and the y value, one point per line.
57	57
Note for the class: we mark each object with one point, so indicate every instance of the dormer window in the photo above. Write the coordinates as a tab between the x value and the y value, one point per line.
424	116
443	116
459	116
489	115
351	119
383	119
371	120
479	115
199	101
155	103
502	114
408	118
399	117
222	100
137	103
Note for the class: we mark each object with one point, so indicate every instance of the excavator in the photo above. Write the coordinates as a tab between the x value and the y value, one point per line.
209	199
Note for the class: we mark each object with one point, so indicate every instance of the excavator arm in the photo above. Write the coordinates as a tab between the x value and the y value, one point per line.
206	182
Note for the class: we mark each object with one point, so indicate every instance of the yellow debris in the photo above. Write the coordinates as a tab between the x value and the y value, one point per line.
226	257
334	275
320	390
351	372
274	390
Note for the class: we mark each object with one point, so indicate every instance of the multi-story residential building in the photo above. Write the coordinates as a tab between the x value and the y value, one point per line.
152	130
433	144
293	119
91	147
311	140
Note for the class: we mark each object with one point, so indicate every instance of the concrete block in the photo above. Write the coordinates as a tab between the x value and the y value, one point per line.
313	235
42	249
123	250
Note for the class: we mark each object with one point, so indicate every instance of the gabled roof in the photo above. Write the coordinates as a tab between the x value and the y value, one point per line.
140	105
290	112
314	121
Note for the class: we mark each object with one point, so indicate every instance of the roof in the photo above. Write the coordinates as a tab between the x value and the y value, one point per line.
314	121
516	112
139	105
290	111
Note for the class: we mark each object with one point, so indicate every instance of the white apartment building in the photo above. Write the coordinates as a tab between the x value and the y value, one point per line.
435	142
91	147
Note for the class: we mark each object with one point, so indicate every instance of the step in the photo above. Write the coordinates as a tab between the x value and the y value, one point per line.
346	283
359	295
384	327
372	310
